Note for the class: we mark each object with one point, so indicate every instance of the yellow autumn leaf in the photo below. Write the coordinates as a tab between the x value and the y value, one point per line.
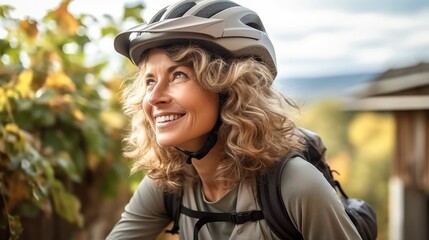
54	57
12	93
23	87
12	128
113	119
66	21
12	134
29	27
3	100
59	80
78	115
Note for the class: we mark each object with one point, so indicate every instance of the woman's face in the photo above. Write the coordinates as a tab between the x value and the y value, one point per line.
180	111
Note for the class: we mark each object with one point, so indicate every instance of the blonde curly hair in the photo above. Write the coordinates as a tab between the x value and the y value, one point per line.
255	126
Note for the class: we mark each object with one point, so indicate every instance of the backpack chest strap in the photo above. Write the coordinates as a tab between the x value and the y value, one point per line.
207	217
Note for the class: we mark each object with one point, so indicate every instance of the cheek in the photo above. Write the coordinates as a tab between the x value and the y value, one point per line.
208	107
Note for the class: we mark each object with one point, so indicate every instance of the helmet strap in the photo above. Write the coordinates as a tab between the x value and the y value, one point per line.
205	149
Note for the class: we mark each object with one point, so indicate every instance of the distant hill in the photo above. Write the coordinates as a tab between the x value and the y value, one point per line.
316	88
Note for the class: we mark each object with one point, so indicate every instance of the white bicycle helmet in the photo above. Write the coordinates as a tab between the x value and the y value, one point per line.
221	26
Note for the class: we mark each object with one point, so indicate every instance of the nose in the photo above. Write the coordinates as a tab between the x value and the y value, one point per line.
159	94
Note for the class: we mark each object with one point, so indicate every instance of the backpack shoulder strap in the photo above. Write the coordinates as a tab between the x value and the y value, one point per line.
172	204
270	198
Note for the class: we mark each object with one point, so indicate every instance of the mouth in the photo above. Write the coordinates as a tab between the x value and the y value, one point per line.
168	118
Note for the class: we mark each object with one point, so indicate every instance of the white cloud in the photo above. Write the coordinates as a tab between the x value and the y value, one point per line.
327	42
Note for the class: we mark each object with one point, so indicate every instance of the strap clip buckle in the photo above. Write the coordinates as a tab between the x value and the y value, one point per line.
242	217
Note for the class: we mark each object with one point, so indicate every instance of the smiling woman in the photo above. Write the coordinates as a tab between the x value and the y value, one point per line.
206	123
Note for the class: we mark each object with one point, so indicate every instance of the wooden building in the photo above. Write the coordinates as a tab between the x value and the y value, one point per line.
405	93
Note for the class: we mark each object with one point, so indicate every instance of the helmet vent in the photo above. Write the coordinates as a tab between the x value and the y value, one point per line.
212	9
158	16
253	21
180	10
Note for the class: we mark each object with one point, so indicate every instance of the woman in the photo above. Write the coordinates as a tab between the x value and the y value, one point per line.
205	122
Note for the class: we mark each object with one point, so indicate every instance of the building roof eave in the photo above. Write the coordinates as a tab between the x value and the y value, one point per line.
392	85
388	103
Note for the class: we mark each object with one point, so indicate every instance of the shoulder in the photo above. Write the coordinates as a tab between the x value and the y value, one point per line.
302	185
148	185
144	216
301	177
148	193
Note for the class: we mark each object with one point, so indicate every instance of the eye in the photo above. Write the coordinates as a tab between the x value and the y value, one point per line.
150	83
179	76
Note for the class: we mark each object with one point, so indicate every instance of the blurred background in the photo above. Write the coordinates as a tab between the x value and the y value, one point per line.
358	69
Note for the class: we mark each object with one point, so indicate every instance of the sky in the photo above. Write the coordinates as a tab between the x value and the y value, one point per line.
311	37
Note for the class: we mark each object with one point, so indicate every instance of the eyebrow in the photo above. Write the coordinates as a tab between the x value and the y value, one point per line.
169	70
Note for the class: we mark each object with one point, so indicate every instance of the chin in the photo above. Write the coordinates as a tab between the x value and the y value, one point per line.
165	144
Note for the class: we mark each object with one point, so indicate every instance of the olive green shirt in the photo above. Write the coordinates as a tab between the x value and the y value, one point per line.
313	206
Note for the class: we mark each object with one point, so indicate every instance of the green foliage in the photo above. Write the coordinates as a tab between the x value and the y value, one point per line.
133	12
59	120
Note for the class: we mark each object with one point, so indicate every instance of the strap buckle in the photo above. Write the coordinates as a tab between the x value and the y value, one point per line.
242	217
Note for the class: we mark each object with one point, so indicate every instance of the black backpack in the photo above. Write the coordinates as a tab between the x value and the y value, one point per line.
269	196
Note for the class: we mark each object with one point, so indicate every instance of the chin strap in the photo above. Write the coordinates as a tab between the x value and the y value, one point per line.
211	140
208	145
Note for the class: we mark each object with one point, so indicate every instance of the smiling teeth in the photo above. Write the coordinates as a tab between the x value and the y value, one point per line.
167	118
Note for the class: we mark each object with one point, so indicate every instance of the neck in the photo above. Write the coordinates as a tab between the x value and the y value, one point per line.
206	169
